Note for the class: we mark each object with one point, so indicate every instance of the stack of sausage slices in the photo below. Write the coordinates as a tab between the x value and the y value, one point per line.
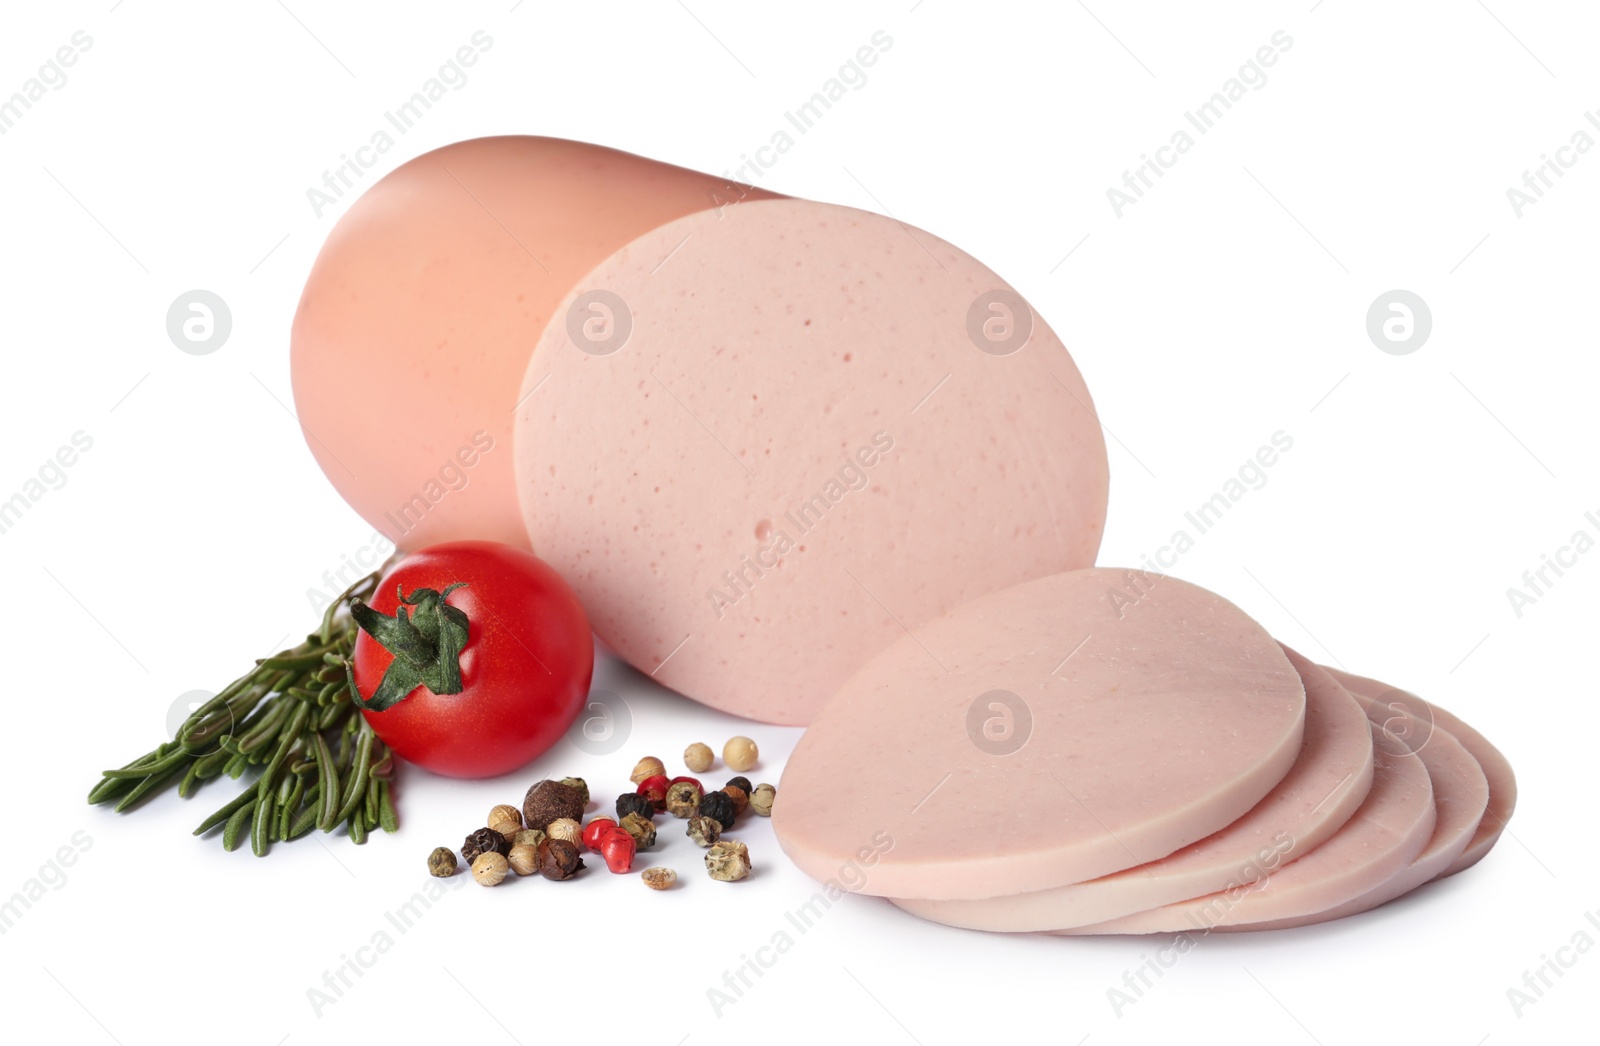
1117	752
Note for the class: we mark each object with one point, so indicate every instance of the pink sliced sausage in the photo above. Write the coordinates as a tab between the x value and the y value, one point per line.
1328	782
1383	837
1050	733
1460	794
1502	780
416	322
763	443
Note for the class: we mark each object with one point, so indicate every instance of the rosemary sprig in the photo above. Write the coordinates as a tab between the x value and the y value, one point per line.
291	716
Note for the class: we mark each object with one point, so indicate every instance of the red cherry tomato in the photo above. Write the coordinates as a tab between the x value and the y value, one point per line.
525	665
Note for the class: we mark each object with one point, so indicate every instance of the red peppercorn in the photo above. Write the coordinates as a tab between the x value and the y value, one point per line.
655	789
618	848
597	830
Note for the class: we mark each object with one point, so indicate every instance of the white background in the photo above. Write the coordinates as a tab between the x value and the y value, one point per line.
1227	304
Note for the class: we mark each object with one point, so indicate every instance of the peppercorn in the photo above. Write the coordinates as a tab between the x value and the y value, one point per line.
761	799
705	831
649	766
529	837
741	782
484	840
565	828
596	830
659	878
655	790
618	848
698	757
489	868
579	785
641	828
740	753
508	828
719	806
504	812
548	800
633	803
683	799
728	862
740	797
558	859
523	859
442	863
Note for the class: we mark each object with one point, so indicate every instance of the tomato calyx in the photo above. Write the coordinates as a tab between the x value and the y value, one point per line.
426	641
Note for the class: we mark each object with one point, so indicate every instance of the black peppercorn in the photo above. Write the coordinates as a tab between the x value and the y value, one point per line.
634	803
719	807
484	840
742	782
558	859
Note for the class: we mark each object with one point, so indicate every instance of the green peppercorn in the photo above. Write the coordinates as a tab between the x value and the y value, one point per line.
761	799
577	784
705	831
442	863
642	829
728	862
683	799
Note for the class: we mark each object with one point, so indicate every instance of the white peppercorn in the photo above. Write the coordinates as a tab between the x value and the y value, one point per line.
740	753
565	828
698	758
649	766
659	878
523	859
489	869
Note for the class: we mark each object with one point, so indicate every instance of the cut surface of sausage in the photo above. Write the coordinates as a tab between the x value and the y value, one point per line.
762	442
1328	782
1050	733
